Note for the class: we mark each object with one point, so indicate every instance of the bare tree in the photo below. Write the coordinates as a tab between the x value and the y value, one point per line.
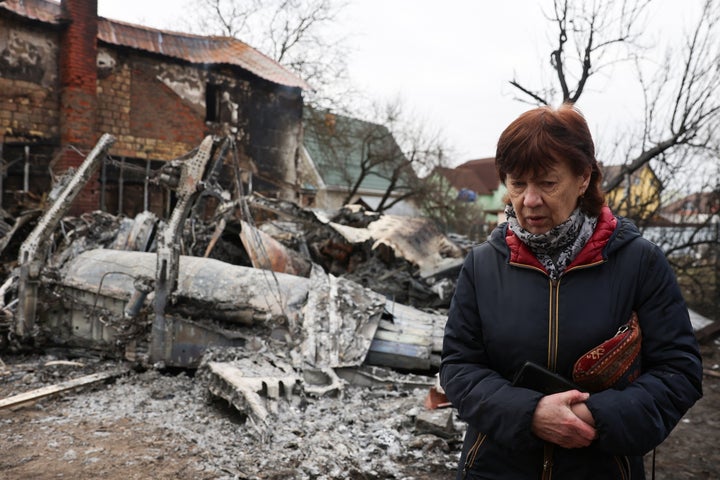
391	151
422	148
589	36
682	103
222	17
296	33
682	93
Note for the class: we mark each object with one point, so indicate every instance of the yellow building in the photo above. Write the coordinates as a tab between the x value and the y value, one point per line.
637	196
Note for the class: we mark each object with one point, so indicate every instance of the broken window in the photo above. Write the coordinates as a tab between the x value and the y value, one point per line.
24	173
212	103
126	189
219	106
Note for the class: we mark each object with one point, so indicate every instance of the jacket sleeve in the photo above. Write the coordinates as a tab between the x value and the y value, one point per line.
483	397
637	419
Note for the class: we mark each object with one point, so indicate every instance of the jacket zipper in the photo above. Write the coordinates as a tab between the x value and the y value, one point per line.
472	454
553	316
553	319
624	466
551	353
547	461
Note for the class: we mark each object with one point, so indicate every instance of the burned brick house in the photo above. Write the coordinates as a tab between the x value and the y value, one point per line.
67	76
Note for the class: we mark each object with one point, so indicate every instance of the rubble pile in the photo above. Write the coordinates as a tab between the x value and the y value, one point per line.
133	303
308	324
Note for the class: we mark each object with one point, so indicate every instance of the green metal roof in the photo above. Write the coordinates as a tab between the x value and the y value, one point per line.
338	145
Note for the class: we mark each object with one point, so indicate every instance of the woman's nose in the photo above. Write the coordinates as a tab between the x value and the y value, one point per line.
532	197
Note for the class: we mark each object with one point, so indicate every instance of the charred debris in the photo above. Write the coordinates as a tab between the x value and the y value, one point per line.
264	297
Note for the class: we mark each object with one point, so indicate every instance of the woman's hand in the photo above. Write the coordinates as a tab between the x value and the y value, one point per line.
582	411
564	419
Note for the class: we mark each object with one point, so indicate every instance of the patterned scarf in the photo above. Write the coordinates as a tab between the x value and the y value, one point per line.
557	248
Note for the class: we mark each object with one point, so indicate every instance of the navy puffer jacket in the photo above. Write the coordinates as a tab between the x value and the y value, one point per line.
506	310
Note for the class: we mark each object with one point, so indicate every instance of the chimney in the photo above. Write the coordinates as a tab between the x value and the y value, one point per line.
78	92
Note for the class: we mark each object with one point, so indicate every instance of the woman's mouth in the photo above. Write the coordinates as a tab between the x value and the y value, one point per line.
535	219
536	224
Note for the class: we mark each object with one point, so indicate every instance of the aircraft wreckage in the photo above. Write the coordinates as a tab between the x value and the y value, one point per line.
135	288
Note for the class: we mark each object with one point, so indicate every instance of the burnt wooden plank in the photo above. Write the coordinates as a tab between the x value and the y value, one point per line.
43	392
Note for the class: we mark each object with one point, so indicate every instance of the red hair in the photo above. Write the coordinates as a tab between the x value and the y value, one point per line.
543	137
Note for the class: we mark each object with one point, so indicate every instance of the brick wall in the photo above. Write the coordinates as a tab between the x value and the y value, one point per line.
147	118
160	114
29	111
113	102
78	92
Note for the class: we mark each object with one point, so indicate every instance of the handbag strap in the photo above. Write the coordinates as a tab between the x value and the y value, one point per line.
653	464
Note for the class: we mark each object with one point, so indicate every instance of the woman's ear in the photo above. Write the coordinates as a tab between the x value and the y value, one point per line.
586	180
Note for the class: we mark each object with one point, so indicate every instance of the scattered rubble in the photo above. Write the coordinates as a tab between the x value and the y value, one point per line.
275	310
171	424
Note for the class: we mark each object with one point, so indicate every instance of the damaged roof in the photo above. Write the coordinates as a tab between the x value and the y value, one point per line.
479	175
339	145
42	10
197	49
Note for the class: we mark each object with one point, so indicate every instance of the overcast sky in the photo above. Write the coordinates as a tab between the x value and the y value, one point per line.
451	61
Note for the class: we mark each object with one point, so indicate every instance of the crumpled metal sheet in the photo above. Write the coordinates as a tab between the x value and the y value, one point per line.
249	385
267	253
415	239
339	323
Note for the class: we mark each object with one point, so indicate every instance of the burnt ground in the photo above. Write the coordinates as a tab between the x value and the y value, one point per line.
164	425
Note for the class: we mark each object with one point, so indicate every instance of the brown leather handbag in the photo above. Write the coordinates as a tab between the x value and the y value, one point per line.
615	363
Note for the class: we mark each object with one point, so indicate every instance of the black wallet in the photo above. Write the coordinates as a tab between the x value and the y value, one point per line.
538	378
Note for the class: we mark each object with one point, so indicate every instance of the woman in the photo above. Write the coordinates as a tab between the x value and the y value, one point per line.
558	278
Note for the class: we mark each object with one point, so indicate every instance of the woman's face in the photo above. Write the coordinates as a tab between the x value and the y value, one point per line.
545	200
